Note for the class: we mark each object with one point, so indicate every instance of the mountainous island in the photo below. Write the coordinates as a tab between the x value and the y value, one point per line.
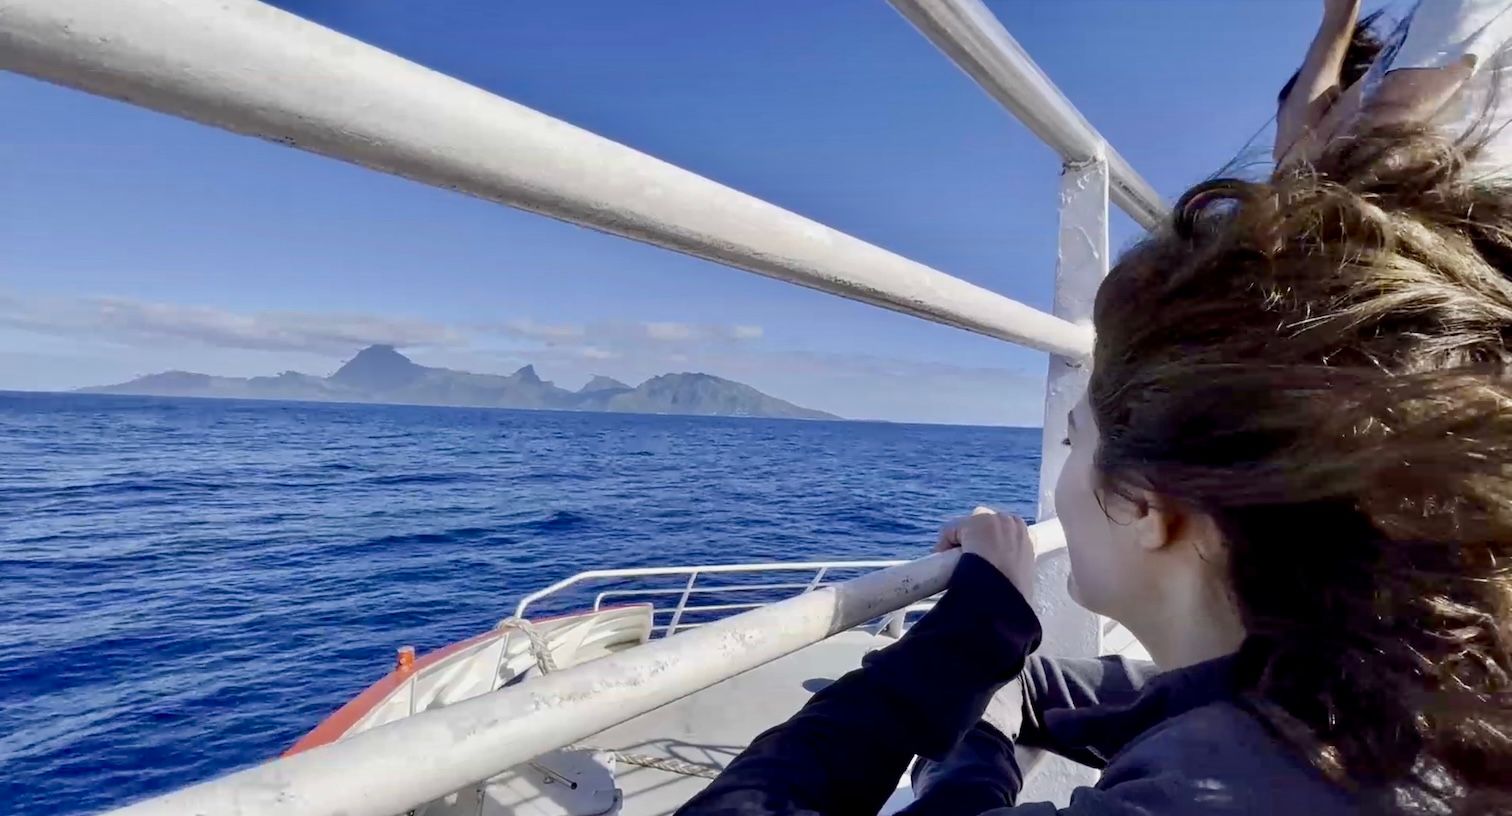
382	374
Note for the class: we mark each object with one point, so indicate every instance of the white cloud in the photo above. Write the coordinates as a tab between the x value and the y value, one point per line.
596	353
136	322
618	334
140	322
669	331
140	337
697	332
871	387
543	331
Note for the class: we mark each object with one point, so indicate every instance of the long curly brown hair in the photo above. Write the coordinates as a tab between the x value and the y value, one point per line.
1323	363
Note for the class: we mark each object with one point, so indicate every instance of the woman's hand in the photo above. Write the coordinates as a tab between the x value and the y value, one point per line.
1341	11
1001	540
1316	88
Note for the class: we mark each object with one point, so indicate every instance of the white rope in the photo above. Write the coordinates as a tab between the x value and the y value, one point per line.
546	663
667	764
539	648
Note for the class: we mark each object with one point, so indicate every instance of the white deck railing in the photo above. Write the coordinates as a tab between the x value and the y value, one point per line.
434	753
968	33
682	583
253	69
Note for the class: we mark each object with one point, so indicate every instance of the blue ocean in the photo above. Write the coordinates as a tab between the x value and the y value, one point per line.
187	586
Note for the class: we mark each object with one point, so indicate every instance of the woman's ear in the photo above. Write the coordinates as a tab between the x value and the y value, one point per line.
1160	522
1155	525
1141	514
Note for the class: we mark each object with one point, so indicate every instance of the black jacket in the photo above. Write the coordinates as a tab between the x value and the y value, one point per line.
1172	744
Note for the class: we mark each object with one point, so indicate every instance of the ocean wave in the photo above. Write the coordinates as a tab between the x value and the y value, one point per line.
224	575
391	479
557	521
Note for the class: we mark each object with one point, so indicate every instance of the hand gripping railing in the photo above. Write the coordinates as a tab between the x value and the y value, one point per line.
421	758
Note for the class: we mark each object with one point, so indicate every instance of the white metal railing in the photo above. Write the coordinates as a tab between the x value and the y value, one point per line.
443	750
253	69
684	586
1092	174
436	752
968	33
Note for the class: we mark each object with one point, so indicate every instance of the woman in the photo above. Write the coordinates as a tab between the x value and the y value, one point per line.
1291	478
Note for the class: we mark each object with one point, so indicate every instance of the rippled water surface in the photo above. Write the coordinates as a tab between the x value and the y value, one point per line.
186	586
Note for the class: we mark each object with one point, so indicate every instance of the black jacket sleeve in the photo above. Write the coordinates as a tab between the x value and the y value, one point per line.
843	753
1057	705
1070	702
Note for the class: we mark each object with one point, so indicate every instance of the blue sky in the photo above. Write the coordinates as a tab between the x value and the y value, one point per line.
135	242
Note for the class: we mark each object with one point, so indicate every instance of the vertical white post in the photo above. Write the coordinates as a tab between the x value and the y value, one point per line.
682	604
1081	264
1070	631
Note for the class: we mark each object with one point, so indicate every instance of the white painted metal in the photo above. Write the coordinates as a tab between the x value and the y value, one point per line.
436	752
505	654
251	68
1081	265
682	603
967	32
522	610
722	607
972	37
690	590
630	593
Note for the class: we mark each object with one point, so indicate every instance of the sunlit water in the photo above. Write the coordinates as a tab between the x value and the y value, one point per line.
186	586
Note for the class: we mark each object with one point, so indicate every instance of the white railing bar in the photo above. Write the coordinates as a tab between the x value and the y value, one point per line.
894	623
973	38
254	69
436	752
672	610
682	602
667	627
725	607
701	590
645	572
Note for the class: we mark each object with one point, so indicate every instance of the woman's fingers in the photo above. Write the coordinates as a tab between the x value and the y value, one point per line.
950	536
950	533
999	538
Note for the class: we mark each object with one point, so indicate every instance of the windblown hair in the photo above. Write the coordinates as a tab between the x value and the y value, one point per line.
1321	362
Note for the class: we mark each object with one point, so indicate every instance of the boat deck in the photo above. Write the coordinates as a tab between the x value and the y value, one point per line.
714	725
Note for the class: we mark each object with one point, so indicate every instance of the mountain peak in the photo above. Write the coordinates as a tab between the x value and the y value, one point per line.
379	373
602	383
378	366
380	351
